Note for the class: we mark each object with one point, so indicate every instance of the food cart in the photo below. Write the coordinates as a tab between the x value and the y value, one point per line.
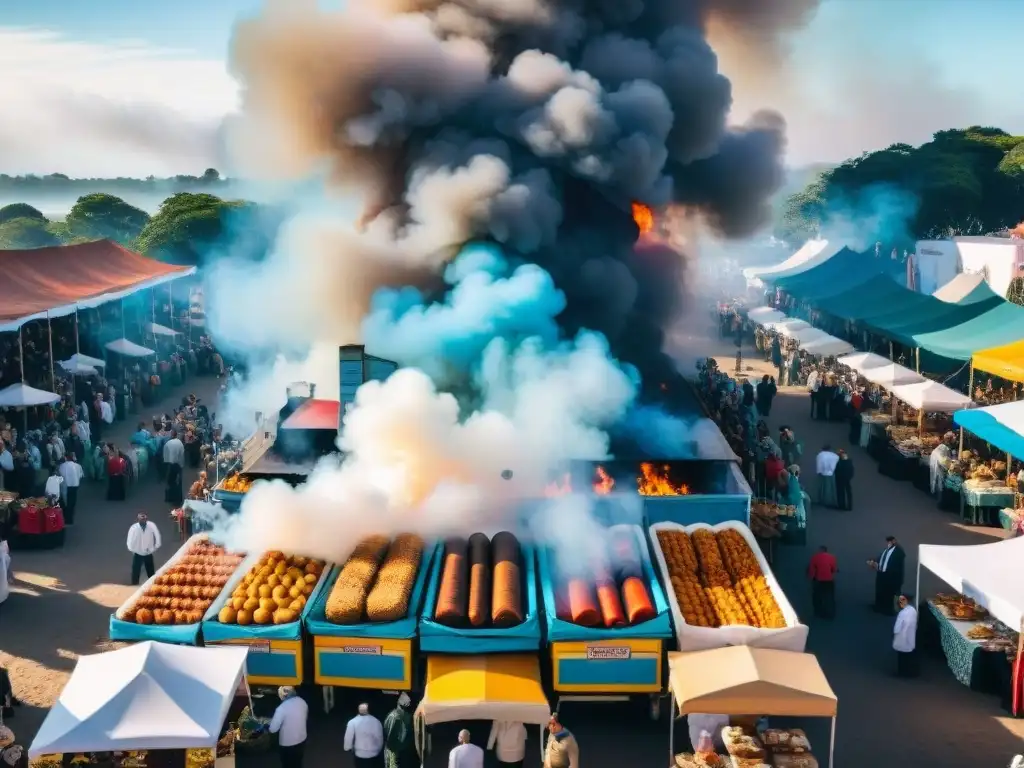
600	663
369	655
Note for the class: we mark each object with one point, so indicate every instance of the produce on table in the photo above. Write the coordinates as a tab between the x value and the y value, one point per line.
274	591
729	588
183	592
236	483
479	579
507	594
959	607
742	742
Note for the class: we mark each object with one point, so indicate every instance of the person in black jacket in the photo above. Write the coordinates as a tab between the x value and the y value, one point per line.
766	391
888	570
844	481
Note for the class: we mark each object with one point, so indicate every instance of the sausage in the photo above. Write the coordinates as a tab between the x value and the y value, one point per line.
506	599
637	600
612	614
452	593
582	603
479	580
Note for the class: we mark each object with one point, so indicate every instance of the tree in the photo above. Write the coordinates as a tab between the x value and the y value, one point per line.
16	234
962	182
101	216
189	226
20	211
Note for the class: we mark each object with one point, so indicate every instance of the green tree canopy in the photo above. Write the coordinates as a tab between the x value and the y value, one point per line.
101	216
188	226
962	182
20	211
16	234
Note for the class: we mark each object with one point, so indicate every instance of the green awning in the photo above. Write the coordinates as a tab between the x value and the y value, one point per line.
1003	324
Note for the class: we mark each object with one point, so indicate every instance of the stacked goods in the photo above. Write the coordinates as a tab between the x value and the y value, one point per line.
743	743
614	594
727	586
274	591
376	582
236	483
183	592
481	582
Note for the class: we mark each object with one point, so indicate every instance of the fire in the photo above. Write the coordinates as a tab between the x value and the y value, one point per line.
656	482
604	483
644	218
560	487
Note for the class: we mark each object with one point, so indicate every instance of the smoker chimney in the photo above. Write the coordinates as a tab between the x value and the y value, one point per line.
356	368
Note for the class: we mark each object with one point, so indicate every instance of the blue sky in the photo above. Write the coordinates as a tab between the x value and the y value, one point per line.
864	73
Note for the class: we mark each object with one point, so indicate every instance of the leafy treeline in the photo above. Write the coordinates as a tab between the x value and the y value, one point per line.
58	183
188	227
962	182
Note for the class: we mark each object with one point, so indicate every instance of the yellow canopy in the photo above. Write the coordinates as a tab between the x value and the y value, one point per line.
1006	362
492	687
741	680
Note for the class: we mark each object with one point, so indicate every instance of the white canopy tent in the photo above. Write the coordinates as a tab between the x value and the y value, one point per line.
146	696
961	286
827	346
892	375
811	254
24	396
78	369
863	361
931	396
129	348
990	574
80	359
788	326
807	335
763	315
160	330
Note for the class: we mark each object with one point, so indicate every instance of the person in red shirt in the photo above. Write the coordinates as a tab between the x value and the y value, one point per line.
773	467
117	474
822	573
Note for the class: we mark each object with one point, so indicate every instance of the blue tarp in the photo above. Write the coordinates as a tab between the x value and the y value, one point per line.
438	638
403	629
1000	425
214	631
566	631
129	631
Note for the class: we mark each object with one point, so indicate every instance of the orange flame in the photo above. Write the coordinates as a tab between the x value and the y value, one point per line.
604	483
655	482
560	487
644	218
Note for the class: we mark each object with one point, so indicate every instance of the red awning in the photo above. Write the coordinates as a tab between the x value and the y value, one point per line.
314	414
34	282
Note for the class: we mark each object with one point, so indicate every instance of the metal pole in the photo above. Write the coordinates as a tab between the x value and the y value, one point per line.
49	335
77	344
970	391
21	367
917	358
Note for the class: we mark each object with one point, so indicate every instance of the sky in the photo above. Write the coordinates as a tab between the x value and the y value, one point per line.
125	88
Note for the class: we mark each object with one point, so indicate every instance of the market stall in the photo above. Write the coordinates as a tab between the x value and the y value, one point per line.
364	621
145	697
129	348
263	607
742	681
763	315
502	687
750	607
988	576
827	346
606	628
452	623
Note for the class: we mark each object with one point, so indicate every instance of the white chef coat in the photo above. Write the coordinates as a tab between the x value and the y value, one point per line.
364	736
106	412
72	473
174	452
904	633
143	542
937	463
289	721
466	756
53	485
825	463
508	740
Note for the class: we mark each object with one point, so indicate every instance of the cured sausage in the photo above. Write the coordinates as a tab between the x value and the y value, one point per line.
582	603
452	593
506	600
479	580
637	600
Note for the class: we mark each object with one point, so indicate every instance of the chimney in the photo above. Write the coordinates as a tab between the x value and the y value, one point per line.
356	368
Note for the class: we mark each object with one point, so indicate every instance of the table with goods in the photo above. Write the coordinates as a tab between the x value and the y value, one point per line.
721	590
34	523
607	617
363	623
906	448
750	743
170	605
975	644
263	606
221	756
872	423
1010	519
231	490
481	597
980	500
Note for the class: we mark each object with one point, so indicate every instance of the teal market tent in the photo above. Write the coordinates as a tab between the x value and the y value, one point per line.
1003	324
838	270
966	288
1000	425
908	318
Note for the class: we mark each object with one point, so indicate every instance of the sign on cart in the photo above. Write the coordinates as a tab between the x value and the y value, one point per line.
609	652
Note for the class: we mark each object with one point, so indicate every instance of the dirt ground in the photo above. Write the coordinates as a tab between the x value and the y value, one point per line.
63	599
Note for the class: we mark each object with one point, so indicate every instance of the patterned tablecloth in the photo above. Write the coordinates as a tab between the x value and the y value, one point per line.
974	500
969	664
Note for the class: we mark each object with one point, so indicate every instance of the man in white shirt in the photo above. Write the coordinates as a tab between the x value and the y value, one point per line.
364	738
289	723
466	754
6	463
143	541
106	412
825	466
813	385
508	740
72	473
53	485
904	638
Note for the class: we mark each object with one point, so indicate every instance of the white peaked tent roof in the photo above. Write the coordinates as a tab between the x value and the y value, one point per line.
788	326
826	346
812	254
129	348
78	368
863	361
24	396
960	287
146	696
892	375
807	335
81	359
931	396
160	330
988	573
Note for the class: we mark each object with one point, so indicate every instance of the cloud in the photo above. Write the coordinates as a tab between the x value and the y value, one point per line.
119	108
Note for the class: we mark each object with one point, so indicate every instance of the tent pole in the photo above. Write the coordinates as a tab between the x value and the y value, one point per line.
49	336
77	344
672	727
832	743
891	353
970	394
21	368
917	358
